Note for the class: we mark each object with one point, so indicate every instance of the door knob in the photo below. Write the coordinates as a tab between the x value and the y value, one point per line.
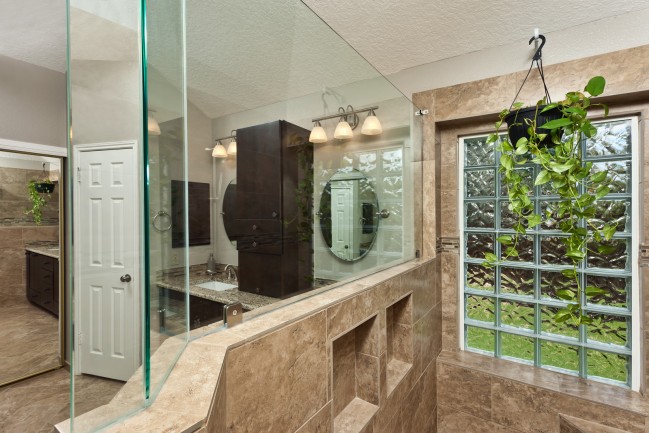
125	278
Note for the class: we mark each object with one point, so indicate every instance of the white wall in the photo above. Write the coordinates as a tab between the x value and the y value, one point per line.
33	103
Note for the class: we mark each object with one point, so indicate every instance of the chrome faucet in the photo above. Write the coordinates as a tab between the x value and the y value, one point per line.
231	271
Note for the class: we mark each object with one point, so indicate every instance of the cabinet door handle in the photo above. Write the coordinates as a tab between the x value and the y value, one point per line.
125	278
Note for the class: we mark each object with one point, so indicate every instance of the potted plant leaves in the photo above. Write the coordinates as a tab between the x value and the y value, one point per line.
38	191
560	167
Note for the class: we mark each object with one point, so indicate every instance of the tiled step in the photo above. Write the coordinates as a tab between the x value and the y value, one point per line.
570	424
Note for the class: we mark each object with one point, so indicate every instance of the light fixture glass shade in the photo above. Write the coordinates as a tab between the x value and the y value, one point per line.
232	147
153	126
371	126
343	131
219	151
318	134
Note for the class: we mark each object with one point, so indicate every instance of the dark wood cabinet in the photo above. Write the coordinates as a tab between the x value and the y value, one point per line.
273	232
43	281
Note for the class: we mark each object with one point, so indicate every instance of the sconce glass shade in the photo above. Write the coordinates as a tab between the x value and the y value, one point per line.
153	126
371	126
219	151
343	131
232	147
318	134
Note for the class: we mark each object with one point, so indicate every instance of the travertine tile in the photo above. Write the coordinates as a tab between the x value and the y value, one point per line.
568	424
413	411
463	389
367	337
429	222
474	98
281	378
450	290
426	100
321	422
449	206
216	419
523	408
367	378
357	417
344	372
402	342
451	420
420	281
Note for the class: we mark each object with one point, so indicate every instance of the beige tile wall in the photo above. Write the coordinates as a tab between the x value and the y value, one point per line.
282	381
465	397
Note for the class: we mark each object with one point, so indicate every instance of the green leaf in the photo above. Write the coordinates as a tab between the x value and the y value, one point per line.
560	168
522	149
606	249
505	239
490	257
598	177
566	294
549	107
507	161
594	291
562	315
585	320
533	220
596	86
609	230
602	191
569	273
543	177
492	138
556	123
576	255
511	252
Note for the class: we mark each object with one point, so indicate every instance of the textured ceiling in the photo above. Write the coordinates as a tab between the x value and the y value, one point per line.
34	31
395	35
246	54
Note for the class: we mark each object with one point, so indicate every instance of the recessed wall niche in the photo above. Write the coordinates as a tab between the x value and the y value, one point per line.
356	377
398	318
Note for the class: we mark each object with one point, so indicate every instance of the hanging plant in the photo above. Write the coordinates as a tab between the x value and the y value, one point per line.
554	145
38	199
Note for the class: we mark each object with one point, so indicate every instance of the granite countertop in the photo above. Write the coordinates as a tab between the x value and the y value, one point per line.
176	281
46	248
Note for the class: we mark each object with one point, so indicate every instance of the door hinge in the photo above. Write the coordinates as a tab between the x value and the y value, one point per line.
80	338
79	174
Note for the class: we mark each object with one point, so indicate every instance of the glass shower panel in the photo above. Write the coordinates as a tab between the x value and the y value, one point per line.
104	280
167	232
258	74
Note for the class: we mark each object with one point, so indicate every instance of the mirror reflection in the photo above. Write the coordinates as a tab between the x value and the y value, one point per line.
227	210
30	297
349	215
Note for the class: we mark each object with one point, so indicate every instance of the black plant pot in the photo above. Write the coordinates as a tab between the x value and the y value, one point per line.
518	126
44	187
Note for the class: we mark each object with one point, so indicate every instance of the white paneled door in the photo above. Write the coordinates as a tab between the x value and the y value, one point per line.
106	286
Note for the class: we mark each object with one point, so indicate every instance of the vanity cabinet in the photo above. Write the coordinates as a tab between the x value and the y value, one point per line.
275	259
43	281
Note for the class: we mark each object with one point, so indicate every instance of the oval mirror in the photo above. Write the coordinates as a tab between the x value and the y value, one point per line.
228	209
349	215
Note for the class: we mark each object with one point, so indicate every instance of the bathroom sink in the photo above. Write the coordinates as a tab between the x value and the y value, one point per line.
217	286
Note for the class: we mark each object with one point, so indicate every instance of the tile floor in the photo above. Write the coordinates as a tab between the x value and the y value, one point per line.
29	337
35	405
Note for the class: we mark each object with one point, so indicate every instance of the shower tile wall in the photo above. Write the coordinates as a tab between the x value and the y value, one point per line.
18	229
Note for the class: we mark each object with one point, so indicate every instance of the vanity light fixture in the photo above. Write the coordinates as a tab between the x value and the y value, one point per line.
219	151
371	126
348	121
318	134
152	124
232	147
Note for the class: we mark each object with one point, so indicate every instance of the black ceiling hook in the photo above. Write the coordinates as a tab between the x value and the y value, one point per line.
537	55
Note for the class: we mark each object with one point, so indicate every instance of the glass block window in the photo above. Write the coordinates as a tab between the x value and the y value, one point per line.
508	309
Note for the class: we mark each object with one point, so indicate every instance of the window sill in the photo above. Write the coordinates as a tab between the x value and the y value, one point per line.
601	393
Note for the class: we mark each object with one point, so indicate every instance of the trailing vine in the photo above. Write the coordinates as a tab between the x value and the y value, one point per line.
561	166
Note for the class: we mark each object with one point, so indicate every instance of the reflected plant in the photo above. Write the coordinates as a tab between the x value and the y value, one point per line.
563	170
38	199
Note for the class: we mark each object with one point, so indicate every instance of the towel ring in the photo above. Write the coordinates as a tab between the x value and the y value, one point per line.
161	213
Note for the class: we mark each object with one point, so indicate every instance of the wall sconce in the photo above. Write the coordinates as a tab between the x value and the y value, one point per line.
218	151
318	134
152	124
232	147
348	121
